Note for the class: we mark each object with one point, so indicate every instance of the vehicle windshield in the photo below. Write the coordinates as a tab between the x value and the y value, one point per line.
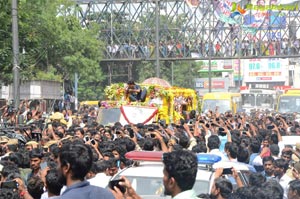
265	100
248	99
154	186
289	104
210	104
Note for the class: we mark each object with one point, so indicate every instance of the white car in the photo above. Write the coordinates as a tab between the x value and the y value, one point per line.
146	177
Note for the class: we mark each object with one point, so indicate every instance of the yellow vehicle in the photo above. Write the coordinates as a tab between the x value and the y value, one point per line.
224	101
289	102
89	103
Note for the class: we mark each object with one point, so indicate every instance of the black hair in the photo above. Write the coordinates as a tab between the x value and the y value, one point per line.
271	189
108	154
17	158
288	153
254	146
183	140
9	168
268	158
53	183
148	144
233	150
274	149
200	148
295	186
130	145
225	187
281	163
242	193
56	108
274	138
79	156
131	82
101	166
36	153
182	166
6	193
80	130
243	155
35	187
256	179
213	142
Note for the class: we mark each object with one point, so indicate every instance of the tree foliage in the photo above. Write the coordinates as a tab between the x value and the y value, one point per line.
53	45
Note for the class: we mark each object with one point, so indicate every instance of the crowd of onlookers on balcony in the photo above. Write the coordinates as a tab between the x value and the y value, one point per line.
204	49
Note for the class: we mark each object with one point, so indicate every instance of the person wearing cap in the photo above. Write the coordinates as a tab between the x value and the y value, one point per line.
294	171
31	145
48	144
57	115
296	153
10	147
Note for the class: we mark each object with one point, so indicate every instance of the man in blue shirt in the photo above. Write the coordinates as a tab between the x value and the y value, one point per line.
74	162
135	92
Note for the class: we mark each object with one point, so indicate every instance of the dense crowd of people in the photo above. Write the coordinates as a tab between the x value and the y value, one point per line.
70	155
202	49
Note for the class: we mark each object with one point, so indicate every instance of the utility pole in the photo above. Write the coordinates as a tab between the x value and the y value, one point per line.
157	37
210	46
15	45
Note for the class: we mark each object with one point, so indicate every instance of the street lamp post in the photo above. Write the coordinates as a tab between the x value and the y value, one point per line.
15	45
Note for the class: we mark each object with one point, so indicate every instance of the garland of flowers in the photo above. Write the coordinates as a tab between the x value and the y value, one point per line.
115	93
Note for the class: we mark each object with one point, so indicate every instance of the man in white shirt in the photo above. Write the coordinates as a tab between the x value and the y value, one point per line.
280	168
213	145
100	179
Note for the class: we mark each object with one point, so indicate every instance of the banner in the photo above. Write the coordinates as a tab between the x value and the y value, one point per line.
255	15
265	70
137	114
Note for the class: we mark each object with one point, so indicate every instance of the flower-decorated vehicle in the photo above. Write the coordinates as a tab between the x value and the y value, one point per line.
171	103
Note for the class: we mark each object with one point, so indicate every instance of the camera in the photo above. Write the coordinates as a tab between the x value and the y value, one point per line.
150	129
10	184
115	183
270	127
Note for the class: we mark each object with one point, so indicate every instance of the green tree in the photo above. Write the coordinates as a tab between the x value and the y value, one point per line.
5	42
53	45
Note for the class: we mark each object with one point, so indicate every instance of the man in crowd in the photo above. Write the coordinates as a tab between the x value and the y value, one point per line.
36	156
74	162
180	171
268	167
294	189
134	92
280	168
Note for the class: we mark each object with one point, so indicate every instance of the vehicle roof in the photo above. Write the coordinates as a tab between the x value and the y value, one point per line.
90	103
290	139
156	170
220	95
290	94
237	165
258	91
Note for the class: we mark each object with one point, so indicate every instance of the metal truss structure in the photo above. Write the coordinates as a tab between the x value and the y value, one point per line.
158	30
